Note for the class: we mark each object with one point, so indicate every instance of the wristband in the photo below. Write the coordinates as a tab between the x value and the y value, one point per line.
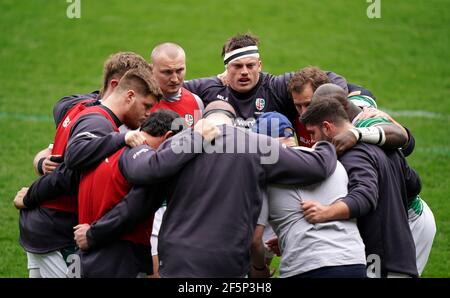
372	135
39	165
259	269
357	133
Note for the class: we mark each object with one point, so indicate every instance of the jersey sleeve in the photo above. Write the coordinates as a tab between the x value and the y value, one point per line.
200	86
61	181
337	80
144	165
136	206
92	139
263	218
280	93
372	122
362	194
302	167
363	101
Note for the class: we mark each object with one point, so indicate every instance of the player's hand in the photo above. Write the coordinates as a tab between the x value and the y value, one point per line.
314	211
18	200
134	138
344	141
80	232
207	129
288	141
369	112
273	246
263	273
50	163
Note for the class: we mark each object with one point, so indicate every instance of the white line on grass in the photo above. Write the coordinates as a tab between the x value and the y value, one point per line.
417	114
25	117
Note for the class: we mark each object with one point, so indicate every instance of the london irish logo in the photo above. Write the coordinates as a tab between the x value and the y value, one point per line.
260	103
189	119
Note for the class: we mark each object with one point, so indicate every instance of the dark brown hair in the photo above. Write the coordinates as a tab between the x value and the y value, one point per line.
324	109
239	41
309	75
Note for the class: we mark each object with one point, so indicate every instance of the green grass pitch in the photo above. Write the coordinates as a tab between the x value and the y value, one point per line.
402	57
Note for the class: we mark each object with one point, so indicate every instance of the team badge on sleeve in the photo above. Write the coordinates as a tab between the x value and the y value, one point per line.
189	119
260	103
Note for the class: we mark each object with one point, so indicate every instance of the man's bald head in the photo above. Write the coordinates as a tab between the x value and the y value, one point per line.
169	67
167	49
327	91
219	106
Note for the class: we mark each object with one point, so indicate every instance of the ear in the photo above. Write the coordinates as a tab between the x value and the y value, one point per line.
329	127
113	83
167	135
130	96
260	65
326	124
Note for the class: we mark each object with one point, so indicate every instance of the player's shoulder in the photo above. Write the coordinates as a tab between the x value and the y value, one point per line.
361	100
370	122
361	152
268	78
206	82
63	105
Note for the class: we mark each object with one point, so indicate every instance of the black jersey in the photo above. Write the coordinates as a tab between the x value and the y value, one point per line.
269	95
380	183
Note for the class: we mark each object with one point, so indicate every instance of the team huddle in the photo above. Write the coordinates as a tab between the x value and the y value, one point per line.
157	176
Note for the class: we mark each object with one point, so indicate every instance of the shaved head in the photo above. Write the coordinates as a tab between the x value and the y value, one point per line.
167	49
327	91
169	67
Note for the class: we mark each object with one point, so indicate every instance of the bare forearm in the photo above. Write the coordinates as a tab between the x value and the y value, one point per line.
337	211
396	136
40	155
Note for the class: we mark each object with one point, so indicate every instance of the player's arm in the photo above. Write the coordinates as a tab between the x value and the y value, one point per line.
201	85
61	181
396	135
145	165
92	139
299	166
316	212
259	268
378	131
39	159
408	148
135	207
412	180
44	162
337	80
362	194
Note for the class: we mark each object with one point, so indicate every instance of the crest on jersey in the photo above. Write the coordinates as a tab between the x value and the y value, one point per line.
66	122
260	103
189	119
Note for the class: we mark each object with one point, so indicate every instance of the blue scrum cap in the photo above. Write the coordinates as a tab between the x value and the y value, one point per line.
274	125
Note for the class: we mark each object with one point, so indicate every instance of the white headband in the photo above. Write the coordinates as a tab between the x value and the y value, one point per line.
250	51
